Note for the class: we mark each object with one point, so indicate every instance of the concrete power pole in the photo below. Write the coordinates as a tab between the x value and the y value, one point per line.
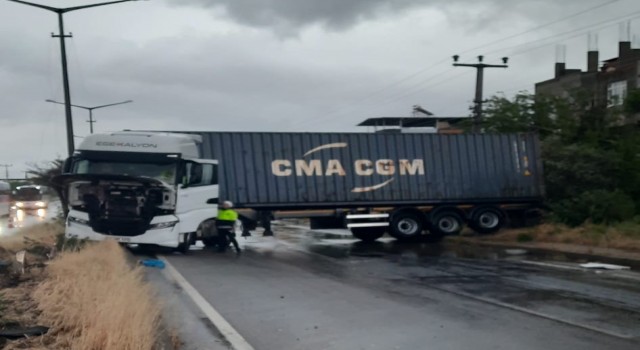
480	66
63	54
6	170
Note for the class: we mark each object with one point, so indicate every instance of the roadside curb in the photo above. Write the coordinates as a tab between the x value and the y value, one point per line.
226	330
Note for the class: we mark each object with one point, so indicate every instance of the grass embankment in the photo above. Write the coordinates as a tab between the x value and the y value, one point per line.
623	236
90	298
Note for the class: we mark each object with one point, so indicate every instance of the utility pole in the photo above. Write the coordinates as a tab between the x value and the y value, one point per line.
63	54
480	66
6	170
90	109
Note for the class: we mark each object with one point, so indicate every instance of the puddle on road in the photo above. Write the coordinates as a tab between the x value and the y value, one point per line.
341	245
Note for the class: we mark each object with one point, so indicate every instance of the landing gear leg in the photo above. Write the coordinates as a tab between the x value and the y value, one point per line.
265	219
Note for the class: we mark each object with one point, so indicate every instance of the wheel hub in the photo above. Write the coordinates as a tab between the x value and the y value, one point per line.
488	220
407	226
448	224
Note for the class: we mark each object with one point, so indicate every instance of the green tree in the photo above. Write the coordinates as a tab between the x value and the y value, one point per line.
591	163
632	103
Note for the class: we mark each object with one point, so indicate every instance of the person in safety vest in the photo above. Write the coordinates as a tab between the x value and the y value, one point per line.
227	218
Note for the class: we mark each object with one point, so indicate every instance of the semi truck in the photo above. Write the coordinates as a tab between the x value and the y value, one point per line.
163	188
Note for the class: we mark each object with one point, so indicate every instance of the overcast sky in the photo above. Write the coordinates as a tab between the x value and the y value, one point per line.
276	65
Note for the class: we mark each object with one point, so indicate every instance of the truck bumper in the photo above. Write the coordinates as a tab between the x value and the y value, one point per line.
165	237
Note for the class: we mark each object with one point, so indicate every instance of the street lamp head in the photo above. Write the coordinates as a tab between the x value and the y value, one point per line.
480	58
505	60
456	58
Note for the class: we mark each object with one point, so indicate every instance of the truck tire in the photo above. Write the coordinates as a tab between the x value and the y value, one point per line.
208	234
406	226
368	234
487	220
446	222
186	245
209	242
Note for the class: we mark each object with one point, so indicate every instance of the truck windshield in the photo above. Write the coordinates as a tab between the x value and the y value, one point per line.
28	194
164	171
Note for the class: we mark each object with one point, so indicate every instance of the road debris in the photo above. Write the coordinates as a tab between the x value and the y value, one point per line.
516	251
22	332
601	266
152	263
21	258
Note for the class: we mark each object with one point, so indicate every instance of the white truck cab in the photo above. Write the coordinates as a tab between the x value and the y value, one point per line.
139	188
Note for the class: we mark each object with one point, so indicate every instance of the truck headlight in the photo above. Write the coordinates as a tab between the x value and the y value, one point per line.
161	225
19	204
41	204
75	220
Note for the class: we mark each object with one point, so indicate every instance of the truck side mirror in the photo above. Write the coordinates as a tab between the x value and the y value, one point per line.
212	201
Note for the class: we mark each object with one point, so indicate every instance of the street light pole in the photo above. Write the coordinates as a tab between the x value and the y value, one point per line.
90	109
477	117
63	52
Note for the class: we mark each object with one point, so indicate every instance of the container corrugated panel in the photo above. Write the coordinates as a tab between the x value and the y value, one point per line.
329	169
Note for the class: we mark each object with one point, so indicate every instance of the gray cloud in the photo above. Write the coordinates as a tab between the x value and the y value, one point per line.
290	15
287	17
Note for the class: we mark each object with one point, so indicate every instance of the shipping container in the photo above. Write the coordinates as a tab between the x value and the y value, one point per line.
320	170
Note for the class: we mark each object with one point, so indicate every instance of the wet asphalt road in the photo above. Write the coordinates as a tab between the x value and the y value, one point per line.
308	290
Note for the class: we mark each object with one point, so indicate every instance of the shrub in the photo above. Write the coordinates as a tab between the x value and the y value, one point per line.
524	237
599	206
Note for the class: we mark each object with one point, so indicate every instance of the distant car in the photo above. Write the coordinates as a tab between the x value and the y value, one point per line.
29	198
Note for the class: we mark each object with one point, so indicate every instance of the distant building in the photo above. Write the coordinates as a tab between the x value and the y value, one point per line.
608	83
401	125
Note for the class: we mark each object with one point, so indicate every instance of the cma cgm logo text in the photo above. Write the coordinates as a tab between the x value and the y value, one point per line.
335	167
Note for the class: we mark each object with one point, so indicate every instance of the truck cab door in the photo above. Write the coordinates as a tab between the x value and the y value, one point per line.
199	184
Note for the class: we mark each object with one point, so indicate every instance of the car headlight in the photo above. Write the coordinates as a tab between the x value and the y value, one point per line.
75	220
161	225
41	204
19	204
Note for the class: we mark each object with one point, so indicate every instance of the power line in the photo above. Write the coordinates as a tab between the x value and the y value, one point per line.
533	29
376	92
424	70
577	32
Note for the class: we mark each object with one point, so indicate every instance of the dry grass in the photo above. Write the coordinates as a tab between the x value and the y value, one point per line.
37	235
624	236
93	299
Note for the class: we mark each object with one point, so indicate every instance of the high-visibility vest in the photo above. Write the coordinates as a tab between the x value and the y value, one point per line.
227	215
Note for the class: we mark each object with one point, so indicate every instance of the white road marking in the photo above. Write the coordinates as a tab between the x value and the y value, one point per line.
230	334
552	265
536	313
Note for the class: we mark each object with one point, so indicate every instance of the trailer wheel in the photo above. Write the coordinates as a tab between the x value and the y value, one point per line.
487	220
368	234
406	226
446	222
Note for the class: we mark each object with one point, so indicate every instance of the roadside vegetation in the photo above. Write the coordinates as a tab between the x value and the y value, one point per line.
591	157
620	236
89	295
